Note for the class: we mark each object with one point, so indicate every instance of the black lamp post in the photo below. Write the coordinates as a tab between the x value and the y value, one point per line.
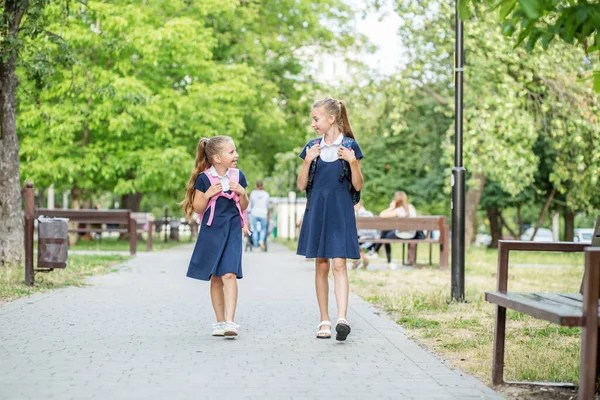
458	172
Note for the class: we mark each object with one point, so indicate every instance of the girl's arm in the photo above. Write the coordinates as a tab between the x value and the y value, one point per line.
311	154
303	175
357	177
348	154
241	191
388	213
201	199
244	200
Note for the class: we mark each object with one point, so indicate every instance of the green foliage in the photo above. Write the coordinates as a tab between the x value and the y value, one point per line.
144	81
541	21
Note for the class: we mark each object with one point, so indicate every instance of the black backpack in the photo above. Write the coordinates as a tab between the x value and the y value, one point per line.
346	172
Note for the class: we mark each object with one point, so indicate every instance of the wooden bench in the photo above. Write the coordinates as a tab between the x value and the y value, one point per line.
426	223
144	222
122	218
566	309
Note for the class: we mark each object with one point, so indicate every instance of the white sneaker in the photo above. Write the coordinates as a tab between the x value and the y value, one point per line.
393	266
231	329
218	329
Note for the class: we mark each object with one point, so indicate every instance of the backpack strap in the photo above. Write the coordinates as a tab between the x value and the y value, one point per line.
313	142
234	176
347	142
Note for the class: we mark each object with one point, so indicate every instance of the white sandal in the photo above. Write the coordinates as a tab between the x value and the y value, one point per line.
323	333
218	329
231	329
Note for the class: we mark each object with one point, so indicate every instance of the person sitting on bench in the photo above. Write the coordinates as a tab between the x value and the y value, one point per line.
399	207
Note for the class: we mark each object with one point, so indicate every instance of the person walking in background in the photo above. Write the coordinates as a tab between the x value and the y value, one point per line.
332	178
216	191
399	207
259	214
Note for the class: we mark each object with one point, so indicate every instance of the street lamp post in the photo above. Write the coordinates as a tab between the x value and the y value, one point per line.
458	172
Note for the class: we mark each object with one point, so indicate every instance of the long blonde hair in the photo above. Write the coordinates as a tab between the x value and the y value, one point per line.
337	108
205	151
401	201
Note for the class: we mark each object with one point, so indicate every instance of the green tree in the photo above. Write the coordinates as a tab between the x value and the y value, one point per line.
20	22
532	21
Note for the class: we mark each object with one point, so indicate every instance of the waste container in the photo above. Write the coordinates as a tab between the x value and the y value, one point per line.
53	242
174	232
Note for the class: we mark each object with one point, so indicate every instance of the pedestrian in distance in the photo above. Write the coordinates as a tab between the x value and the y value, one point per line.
332	178
217	192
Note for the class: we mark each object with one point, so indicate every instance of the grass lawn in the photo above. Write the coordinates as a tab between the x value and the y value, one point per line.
418	299
12	284
113	244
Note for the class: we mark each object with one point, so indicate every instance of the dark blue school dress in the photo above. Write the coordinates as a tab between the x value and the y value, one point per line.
218	249
329	226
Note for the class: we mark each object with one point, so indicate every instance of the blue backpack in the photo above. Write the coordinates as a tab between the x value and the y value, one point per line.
346	172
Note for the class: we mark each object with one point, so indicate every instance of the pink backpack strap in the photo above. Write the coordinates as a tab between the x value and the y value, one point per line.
234	176
213	200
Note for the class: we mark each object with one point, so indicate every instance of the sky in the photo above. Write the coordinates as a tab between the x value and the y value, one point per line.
381	28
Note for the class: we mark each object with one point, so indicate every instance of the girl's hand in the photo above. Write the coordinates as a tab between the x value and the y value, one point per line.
313	153
346	154
237	188
213	189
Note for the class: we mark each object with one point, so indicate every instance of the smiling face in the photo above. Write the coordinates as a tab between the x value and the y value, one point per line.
321	122
227	156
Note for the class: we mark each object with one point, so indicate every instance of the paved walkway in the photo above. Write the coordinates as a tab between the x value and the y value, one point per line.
144	333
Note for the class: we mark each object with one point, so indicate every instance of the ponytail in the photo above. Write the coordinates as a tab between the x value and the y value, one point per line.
337	108
205	151
343	122
200	165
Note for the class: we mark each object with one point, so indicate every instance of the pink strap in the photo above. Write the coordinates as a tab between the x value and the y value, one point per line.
234	176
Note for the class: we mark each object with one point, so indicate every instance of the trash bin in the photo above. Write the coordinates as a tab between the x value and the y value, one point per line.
174	232
53	242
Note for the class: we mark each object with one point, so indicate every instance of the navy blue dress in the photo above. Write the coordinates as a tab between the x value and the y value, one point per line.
329	225
218	250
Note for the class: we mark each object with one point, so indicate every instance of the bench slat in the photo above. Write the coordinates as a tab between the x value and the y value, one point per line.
555	310
121	230
563	298
87	215
392	241
428	223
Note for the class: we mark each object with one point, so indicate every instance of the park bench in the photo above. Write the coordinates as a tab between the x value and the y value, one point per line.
565	309
120	221
425	223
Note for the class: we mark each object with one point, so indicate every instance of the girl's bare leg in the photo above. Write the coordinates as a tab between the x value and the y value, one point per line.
340	280
230	289
322	286
217	297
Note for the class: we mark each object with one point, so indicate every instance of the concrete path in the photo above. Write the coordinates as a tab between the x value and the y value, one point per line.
144	333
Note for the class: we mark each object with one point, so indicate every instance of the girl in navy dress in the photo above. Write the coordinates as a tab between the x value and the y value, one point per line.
216	191
331	176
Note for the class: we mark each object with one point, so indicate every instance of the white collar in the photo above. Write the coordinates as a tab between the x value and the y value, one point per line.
213	171
336	142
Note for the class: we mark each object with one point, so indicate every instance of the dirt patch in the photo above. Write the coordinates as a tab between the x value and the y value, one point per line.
527	392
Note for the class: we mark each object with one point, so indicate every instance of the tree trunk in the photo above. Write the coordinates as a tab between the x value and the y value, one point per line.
75	205
472	200
495	218
11	215
543	213
519	221
131	202
569	218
